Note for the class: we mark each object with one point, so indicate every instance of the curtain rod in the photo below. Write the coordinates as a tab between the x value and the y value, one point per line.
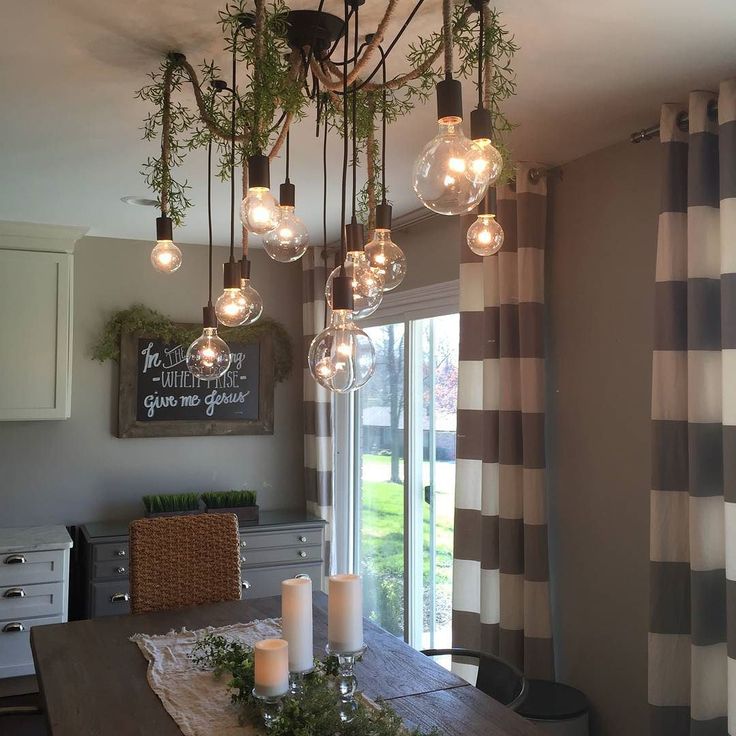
646	134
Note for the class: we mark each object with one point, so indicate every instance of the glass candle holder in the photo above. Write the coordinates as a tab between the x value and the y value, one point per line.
296	682
271	705
347	682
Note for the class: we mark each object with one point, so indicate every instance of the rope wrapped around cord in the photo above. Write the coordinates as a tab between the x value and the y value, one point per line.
447	6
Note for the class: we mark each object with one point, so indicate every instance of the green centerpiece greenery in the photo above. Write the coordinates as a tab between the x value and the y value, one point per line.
314	713
140	318
171	503
229	499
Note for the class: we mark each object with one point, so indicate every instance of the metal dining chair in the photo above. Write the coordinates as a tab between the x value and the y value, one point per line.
180	561
496	677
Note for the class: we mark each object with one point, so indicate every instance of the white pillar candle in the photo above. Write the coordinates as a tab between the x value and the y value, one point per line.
296	622
345	613
271	667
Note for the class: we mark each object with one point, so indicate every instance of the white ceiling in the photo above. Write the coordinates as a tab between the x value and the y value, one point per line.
588	74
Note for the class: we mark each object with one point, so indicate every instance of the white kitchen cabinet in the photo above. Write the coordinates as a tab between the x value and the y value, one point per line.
36	299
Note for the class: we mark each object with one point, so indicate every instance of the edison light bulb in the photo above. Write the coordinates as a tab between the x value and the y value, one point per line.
367	284
259	211
387	258
231	307
289	240
253	301
441	178
342	357
166	256
208	356
483	162
485	236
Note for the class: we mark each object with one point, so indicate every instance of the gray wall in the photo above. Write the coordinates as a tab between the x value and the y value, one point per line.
600	298
76	470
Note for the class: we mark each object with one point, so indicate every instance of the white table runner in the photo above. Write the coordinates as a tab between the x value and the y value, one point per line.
195	699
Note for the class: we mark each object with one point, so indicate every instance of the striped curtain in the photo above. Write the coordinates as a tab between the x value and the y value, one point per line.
501	600
692	639
317	404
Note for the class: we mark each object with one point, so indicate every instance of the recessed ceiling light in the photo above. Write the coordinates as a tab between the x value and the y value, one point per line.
140	201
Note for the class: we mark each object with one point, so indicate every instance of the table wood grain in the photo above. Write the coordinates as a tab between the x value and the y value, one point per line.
93	679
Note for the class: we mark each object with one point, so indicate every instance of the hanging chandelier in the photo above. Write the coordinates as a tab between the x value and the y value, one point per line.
290	64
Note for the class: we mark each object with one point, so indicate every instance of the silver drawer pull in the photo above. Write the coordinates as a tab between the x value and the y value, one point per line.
120	570
302	553
120	553
302	539
246	585
14	593
119	598
244	544
244	559
302	576
15	560
14	627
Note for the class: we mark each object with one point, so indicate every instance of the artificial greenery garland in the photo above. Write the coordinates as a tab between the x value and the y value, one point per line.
315	713
140	318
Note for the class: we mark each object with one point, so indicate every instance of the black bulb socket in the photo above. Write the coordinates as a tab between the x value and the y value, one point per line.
287	194
487	205
450	100
480	124
355	235
383	216
244	268
164	228
231	275
209	318
259	171
342	293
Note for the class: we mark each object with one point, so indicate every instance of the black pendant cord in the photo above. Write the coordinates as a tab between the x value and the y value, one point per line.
481	53
353	110
324	205
232	149
343	240
209	220
383	127
288	136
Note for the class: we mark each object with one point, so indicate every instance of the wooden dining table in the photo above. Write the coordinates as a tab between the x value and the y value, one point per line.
93	682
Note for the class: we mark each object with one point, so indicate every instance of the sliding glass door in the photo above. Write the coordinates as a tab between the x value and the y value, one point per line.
404	447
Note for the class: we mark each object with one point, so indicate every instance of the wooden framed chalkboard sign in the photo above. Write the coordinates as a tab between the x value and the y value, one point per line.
159	397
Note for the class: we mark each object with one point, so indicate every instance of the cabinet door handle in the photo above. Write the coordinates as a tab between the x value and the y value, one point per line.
16	560
244	544
302	539
246	585
119	598
120	553
14	627
302	553
120	570
302	576
243	558
14	593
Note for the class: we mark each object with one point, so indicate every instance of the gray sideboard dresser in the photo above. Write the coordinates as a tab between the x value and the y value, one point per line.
283	544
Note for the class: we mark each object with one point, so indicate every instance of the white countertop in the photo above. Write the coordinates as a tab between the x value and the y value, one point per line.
34	538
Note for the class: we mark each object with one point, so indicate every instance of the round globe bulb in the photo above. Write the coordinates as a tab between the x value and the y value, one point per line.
208	356
289	240
387	258
253	300
485	236
483	163
440	173
259	211
231	308
165	256
342	357
367	284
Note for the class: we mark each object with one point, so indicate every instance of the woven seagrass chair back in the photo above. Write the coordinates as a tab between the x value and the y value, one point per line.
179	561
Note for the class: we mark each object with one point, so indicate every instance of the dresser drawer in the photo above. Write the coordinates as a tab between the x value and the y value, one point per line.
110	599
112	569
15	644
25	568
279	555
117	552
261	540
31	601
266	581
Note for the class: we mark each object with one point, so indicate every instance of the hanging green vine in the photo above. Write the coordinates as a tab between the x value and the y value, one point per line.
315	713
140	318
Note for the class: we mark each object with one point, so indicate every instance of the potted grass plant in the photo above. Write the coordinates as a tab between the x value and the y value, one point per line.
241	503
173	504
